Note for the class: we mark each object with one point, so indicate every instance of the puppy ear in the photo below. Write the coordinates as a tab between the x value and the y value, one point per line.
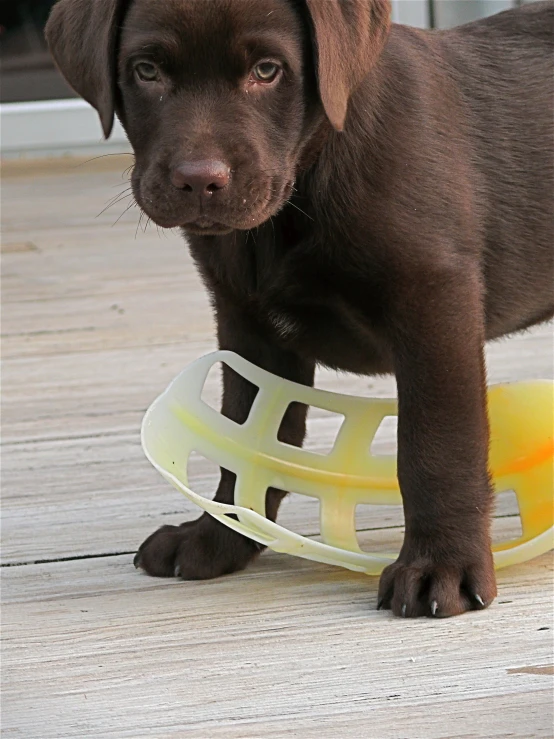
349	36
82	37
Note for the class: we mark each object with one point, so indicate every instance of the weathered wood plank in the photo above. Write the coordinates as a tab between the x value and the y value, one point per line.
87	492
287	645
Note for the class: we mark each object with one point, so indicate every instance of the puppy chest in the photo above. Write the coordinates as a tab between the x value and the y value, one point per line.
301	301
328	330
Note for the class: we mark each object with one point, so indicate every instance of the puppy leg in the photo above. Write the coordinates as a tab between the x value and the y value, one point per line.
445	566
206	548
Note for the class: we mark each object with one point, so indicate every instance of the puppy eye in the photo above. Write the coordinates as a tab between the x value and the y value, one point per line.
147	72
266	72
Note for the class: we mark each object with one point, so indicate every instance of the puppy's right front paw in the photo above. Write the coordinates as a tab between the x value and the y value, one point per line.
196	550
424	583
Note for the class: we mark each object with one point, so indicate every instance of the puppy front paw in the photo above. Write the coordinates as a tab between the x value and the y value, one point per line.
421	583
196	550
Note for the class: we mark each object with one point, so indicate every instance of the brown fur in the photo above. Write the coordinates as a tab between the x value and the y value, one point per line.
384	206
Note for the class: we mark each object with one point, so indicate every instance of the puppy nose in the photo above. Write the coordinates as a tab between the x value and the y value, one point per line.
202	177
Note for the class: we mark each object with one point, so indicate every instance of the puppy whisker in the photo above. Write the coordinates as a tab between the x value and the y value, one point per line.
114	201
289	202
131	205
102	156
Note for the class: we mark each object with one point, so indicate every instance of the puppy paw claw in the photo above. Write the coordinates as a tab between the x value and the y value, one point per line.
420	585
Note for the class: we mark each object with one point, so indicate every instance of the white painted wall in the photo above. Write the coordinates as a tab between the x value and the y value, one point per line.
55	128
411	12
450	13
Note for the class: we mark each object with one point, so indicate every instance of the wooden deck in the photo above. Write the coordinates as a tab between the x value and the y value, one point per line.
97	318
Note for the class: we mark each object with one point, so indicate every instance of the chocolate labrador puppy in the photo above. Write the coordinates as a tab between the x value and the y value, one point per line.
356	194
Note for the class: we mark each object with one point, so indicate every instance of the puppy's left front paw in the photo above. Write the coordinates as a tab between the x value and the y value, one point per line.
420	585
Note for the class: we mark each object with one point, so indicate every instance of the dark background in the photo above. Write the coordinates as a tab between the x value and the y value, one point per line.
27	70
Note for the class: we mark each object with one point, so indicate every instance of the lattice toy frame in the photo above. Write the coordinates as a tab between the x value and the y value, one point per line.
179	422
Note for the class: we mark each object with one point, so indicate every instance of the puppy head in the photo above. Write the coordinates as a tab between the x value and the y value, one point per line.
219	98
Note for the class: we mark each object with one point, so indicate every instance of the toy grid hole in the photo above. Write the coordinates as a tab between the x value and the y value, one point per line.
212	392
300	514
384	441
203	475
506	524
322	428
379	528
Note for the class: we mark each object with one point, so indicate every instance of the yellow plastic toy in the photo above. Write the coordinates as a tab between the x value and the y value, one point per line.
179	422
